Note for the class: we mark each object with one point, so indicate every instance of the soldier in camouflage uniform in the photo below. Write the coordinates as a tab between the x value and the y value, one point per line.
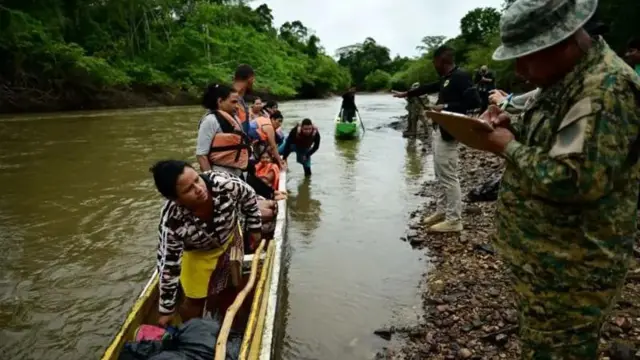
415	110
566	217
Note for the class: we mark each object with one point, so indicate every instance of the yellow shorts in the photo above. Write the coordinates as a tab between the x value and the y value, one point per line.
197	268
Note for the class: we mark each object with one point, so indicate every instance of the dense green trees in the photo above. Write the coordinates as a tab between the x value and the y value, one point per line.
68	54
479	37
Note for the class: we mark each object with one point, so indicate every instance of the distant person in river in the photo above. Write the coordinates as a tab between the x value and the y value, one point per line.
221	144
456	94
200	243
485	83
263	136
349	107
304	140
243	80
633	54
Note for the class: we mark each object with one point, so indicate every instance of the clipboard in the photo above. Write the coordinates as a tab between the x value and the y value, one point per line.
467	130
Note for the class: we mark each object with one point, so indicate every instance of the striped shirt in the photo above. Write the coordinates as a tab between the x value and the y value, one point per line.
180	230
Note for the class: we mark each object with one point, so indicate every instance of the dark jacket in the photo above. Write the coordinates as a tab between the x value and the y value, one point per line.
309	144
349	101
455	90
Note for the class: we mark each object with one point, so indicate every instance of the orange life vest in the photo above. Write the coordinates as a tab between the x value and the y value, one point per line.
262	170
242	113
304	141
230	148
262	144
261	122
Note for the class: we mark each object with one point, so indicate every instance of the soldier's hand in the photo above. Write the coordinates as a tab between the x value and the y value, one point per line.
498	139
496	117
399	94
497	96
437	108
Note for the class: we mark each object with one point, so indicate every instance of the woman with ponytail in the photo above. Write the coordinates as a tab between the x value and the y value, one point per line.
221	145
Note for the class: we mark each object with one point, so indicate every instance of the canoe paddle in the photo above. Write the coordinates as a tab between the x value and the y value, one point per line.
361	123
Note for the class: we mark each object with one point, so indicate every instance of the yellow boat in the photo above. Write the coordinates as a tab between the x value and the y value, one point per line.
265	272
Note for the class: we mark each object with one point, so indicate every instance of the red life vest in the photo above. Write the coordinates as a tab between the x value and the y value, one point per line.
305	141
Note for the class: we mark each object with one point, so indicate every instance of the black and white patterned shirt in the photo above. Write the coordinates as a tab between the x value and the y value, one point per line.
180	230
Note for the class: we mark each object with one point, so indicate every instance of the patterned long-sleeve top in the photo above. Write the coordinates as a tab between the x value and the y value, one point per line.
180	230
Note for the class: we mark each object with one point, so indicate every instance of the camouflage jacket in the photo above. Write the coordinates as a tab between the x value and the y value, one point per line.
414	107
567	203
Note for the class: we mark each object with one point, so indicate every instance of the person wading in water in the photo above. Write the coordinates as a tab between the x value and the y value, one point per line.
304	140
199	235
566	213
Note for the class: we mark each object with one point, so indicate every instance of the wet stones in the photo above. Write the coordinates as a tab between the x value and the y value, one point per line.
469	311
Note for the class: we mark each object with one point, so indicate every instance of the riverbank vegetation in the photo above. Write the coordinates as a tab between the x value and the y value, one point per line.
373	69
74	54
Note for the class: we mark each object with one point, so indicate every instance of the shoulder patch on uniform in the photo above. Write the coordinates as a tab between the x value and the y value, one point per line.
572	132
446	83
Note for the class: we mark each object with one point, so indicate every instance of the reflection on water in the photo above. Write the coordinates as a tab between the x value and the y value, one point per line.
79	215
414	161
303	209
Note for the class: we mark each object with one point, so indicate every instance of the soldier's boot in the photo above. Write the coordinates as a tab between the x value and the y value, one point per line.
447	226
433	219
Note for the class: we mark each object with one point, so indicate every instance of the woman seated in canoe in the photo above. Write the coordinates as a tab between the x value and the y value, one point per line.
200	242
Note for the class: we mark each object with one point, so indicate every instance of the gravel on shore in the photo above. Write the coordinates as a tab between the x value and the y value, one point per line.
468	306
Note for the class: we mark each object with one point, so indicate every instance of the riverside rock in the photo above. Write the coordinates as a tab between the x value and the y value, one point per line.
468	304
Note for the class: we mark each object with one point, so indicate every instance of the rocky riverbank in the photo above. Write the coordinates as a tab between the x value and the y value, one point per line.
468	306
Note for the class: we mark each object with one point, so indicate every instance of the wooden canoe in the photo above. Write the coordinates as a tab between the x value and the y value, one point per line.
260	328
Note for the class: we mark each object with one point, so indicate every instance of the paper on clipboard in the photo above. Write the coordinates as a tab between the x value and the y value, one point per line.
466	129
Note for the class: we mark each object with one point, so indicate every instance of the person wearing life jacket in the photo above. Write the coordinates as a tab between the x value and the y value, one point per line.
221	145
268	171
268	109
263	135
257	108
304	140
243	80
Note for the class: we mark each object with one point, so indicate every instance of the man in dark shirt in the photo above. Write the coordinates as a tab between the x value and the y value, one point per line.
456	94
485	82
304	140
349	107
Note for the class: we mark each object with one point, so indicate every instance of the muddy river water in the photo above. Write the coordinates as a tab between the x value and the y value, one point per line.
78	219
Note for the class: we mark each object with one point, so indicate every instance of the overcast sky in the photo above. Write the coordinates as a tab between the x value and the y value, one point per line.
396	24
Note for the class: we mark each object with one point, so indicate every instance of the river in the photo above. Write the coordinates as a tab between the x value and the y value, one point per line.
79	213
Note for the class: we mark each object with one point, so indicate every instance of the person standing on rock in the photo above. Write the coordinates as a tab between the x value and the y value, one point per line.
456	94
415	114
566	215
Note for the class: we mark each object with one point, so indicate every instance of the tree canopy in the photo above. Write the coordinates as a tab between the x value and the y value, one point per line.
369	62
72	52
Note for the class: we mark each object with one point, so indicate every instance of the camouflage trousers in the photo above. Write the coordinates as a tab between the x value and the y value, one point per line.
561	314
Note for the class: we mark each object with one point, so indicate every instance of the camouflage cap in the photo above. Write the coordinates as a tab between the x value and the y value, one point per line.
529	26
415	85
